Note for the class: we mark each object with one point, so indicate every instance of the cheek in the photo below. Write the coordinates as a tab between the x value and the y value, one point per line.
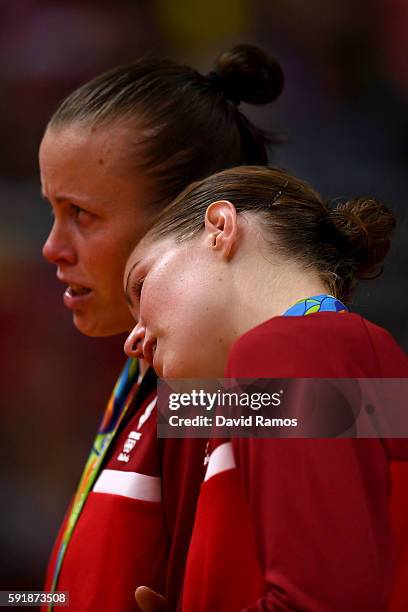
106	263
112	239
107	274
184	305
175	294
158	303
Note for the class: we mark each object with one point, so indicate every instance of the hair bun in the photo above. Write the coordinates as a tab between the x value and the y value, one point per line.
247	74
366	225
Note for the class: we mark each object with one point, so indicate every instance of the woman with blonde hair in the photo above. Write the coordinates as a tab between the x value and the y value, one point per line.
116	151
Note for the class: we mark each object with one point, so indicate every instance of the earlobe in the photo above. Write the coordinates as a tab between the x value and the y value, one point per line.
221	226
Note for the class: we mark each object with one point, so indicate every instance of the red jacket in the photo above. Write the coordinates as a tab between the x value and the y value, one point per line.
136	524
300	524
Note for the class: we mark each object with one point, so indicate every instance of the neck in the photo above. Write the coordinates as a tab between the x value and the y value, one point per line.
271	292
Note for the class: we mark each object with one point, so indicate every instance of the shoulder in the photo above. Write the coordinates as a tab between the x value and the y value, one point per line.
394	360
324	344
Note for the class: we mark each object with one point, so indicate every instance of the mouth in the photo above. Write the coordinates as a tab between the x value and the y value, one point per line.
75	295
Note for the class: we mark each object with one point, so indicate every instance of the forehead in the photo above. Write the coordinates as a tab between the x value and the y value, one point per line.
79	155
147	252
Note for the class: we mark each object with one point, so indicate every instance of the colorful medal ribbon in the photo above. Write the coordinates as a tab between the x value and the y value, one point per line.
316	303
122	396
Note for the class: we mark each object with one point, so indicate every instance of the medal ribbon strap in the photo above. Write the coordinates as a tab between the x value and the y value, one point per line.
119	402
316	303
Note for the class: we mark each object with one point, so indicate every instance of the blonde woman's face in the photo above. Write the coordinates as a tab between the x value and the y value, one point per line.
100	210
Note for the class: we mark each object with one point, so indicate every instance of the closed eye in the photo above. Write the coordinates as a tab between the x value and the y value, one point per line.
133	285
136	287
133	294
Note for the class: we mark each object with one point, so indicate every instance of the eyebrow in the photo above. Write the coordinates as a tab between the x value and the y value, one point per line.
127	294
66	197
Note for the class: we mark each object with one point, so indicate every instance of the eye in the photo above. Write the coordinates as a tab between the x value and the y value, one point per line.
82	216
77	210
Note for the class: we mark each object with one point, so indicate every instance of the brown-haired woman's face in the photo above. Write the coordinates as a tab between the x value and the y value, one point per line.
100	211
179	296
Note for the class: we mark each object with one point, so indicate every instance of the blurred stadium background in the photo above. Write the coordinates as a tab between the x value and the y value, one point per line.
344	109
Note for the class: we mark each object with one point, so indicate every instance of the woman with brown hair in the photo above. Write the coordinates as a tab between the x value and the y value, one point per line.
255	269
116	151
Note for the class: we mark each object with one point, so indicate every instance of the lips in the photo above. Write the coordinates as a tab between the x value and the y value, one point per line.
75	296
75	290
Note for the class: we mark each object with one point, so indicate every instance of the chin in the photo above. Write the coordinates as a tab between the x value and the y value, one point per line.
168	372
177	371
172	364
98	328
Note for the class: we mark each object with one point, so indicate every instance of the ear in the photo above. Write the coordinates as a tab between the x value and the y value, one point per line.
221	226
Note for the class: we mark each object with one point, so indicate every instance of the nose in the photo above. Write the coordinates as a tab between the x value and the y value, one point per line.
134	343
57	248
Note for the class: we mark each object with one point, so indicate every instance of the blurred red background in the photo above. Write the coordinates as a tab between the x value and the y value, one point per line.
344	109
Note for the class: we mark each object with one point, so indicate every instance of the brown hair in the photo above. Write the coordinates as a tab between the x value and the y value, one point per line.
343	244
188	124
